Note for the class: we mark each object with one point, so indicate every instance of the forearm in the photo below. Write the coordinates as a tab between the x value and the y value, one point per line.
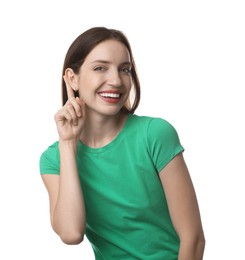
69	213
192	250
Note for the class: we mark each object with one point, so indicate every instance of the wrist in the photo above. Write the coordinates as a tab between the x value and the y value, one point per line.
68	145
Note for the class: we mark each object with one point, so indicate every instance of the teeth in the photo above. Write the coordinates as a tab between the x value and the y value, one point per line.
110	95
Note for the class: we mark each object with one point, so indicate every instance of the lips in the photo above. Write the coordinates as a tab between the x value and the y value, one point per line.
110	96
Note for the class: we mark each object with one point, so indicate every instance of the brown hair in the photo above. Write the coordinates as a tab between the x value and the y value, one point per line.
83	45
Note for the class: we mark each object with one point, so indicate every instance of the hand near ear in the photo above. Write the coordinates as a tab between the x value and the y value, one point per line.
70	118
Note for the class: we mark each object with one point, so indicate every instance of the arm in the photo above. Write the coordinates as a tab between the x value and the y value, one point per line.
183	208
67	210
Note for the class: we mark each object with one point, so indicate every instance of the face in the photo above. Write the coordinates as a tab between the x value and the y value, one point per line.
104	80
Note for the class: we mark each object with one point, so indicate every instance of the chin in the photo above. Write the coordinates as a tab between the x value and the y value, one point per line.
111	111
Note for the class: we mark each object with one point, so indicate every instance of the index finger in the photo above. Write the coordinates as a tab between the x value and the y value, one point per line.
69	90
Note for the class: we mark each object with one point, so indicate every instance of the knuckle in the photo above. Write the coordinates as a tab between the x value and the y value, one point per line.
57	114
67	114
69	107
72	99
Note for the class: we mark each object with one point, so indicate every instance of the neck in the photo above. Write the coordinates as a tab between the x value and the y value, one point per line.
100	130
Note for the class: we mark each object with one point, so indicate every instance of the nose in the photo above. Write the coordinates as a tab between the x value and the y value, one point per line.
115	78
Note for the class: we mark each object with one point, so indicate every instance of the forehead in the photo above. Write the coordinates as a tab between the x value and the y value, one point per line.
109	50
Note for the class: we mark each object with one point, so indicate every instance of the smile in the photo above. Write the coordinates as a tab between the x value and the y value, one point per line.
111	97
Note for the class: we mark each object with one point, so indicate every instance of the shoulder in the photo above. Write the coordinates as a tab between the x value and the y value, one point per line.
162	140
153	130
51	150
50	159
161	126
150	124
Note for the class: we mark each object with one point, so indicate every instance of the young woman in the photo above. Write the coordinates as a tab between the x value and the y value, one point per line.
118	178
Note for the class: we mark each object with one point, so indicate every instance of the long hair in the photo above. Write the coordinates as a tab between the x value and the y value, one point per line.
84	44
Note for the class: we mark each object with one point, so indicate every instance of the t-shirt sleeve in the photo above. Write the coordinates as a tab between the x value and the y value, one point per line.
163	142
50	160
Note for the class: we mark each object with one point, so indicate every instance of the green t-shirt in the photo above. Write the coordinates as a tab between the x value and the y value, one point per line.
126	209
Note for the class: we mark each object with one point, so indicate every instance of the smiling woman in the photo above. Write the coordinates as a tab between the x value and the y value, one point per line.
104	76
118	178
86	42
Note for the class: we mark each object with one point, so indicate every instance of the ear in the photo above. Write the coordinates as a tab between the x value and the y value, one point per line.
71	78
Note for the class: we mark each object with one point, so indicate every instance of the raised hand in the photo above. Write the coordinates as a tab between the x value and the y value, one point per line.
70	118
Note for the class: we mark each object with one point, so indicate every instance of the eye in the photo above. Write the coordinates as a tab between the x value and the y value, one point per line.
126	70
99	68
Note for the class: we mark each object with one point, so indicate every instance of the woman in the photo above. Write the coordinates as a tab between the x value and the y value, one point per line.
118	178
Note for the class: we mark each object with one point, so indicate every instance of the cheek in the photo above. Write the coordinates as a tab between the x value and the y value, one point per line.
87	89
90	81
83	85
129	84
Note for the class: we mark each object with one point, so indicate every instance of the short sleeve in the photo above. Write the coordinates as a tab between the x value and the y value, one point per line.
163	142
50	160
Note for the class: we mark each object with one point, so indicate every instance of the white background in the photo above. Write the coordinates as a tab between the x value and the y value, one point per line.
191	61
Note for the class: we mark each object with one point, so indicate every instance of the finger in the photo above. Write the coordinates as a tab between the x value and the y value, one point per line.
81	103
62	115
72	115
70	92
66	114
76	106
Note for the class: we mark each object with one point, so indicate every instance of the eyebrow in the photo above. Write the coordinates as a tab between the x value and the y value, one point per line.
108	62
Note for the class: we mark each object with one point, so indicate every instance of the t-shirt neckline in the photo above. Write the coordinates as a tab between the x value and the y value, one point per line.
83	147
